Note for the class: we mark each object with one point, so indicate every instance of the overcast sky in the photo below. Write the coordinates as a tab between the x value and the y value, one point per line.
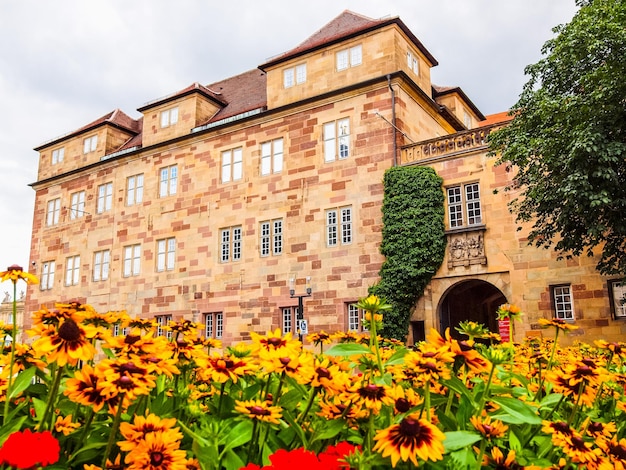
65	63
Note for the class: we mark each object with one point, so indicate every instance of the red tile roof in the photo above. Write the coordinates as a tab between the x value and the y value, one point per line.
193	88
496	118
243	92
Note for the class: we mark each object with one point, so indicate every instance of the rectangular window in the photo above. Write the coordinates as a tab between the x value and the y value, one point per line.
617	293
162	321
101	263
132	260
288	319
77	205
271	242
412	62
118	330
339	226
169	117
168	181
105	197
53	211
563	302
464	205
272	157
214	325
166	254
349	57
72	271
288	77
134	189
355	319
57	155
294	75
47	275
337	140
90	144
232	165
300	74
230	244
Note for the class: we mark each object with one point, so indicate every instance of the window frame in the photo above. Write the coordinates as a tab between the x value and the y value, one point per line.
461	208
168	117
294	75
57	155
48	269
72	270
136	190
272	160
166	254
77	205
232	165
131	265
101	265
339	228
105	198
413	63
617	287
289	320
90	144
348	58
355	317
168	181
231	241
335	138
558	302
53	211
214	325
271	237
162	321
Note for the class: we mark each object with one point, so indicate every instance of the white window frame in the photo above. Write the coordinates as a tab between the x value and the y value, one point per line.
105	198
413	62
232	165
464	207
58	155
168	180
169	117
163	320
214	325
52	212
101	265
47	275
339	226
116	330
350	57
271	237
90	144
355	317
134	189
288	319
72	270
166	254
336	140
295	75
231	240
617	292
77	205
563	302
132	260
272	156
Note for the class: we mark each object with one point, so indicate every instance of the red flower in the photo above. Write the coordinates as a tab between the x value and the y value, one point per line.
251	466
290	460
25	450
330	459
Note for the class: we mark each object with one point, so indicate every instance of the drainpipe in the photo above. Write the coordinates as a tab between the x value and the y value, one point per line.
393	121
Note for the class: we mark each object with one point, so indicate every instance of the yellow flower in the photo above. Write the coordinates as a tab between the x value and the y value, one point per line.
487	428
66	344
15	273
142	426
557	323
157	451
259	410
274	344
65	425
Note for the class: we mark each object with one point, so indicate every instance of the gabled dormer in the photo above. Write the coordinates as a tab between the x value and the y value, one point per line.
87	145
175	115
456	102
350	49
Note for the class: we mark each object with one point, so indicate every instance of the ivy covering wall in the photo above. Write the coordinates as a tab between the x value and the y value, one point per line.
413	242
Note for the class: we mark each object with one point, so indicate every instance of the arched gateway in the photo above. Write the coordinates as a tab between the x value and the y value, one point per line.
472	300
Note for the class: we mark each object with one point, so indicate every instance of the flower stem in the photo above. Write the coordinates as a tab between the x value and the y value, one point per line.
52	394
113	431
12	361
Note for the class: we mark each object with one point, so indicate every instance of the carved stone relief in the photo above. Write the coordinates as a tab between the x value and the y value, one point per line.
466	248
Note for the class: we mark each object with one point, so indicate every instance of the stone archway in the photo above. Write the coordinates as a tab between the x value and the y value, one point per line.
472	300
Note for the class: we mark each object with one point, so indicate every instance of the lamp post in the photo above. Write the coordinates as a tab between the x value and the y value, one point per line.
302	326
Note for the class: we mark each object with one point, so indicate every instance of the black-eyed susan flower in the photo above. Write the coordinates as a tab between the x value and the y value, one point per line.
14	273
121	377
65	425
488	428
259	410
615	450
556	323
320	337
339	407
67	343
141	426
404	399
86	389
224	367
497	460
371	396
584	453
411	439
274	344
157	451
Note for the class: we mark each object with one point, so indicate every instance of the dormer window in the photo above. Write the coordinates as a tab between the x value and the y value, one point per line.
57	155
90	144
294	75
169	117
349	57
412	62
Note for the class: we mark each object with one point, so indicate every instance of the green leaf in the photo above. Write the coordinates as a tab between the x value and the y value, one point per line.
232	461
237	436
348	349
22	382
515	411
459	439
329	430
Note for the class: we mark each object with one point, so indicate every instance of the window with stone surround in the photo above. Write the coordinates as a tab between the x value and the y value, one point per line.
339	226
272	157
77	205
105	198
47	275
101	264
72	270
162	321
617	296
232	165
412	62
288	319
52	212
132	260
58	155
169	117
134	190
355	318
349	57
214	325
464	205
294	75
166	254
562	301
230	244
168	180
90	144
271	237
119	331
336	140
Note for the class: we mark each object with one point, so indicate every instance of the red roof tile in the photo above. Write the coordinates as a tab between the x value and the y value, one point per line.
496	118
193	88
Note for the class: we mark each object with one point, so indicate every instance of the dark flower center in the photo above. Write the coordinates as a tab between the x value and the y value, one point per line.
403	405
410	427
285	360
372	391
561	427
618	451
125	382
69	331
259	411
132	368
156	458
323	373
275	342
131	339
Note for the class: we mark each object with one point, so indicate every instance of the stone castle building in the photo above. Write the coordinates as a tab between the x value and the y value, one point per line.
228	203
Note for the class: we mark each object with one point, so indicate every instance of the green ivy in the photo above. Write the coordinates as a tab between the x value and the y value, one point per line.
413	242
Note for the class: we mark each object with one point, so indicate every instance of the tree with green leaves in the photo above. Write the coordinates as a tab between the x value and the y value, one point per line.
567	140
